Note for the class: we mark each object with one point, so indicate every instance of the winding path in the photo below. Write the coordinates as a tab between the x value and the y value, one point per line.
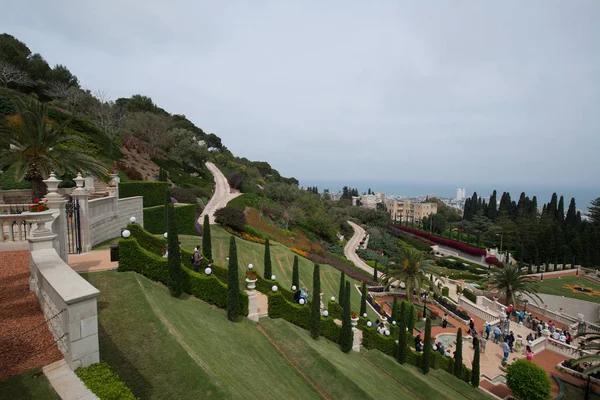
221	196
350	249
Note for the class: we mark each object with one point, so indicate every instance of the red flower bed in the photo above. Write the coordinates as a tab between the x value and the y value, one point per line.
474	251
493	261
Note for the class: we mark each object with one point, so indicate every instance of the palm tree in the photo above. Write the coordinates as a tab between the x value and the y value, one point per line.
412	269
33	147
512	283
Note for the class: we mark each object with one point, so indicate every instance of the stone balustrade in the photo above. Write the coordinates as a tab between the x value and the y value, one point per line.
486	315
565	349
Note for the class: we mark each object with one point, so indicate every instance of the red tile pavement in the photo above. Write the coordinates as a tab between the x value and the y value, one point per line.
25	340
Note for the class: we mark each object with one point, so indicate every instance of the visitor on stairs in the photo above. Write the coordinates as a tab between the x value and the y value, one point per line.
488	329
497	334
482	343
509	311
511	341
505	350
528	353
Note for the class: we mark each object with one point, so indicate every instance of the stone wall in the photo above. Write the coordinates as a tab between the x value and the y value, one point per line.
68	302
109	215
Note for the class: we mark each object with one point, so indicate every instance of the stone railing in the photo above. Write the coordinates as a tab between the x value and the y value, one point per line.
13	231
16	196
539	344
67	300
486	315
104	207
552	315
565	349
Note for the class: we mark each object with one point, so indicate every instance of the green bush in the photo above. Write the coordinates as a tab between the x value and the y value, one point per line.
104	383
146	240
470	295
445	291
132	257
153	192
185	217
231	217
528	381
255	232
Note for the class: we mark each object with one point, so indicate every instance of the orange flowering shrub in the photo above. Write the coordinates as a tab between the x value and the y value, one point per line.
245	236
299	252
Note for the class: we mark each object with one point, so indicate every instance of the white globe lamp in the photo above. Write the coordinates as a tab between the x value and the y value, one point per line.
208	271
126	233
165	235
272	277
369	324
301	301
294	287
387	332
325	313
250	266
394	322
365	315
332	298
132	220
274	288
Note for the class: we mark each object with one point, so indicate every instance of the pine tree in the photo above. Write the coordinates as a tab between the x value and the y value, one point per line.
363	299
426	347
315	309
411	318
458	355
206	239
375	272
295	276
268	267
475	371
402	335
395	309
342	292
594	211
571	212
560	211
233	283
346	339
174	257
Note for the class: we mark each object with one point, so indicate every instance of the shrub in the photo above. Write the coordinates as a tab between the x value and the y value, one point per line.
153	192
185	217
444	241
342	290
131	172
458	372
132	257
363	299
231	217
402	343
470	295
104	383
185	195
445	291
528	381
427	347
476	358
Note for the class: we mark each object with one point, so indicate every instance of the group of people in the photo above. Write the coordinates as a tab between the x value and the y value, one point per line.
301	294
380	327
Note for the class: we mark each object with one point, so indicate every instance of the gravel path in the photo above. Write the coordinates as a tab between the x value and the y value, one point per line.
221	196
20	312
350	249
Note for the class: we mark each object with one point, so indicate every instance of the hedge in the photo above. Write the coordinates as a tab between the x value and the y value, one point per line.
185	217
146	240
468	293
153	192
132	257
104	383
474	251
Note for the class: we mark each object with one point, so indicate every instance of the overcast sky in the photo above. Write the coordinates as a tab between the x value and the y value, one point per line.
406	91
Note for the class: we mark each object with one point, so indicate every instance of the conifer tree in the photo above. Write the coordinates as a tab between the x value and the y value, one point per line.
476	358
458	355
268	267
363	299
402	339
342	292
375	272
411	318
571	213
426	347
206	239
233	283
560	211
167	202
347	334
395	310
295	275
174	257
315	309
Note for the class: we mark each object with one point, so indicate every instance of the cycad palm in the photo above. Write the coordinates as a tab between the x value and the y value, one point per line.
511	283
33	147
591	343
412	269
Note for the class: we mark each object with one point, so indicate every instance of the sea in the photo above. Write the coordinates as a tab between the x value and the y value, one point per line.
583	195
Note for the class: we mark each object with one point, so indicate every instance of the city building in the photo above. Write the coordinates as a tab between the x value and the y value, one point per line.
406	210
372	201
460	194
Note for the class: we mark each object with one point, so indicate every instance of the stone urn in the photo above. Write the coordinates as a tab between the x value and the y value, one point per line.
40	218
354	322
251	283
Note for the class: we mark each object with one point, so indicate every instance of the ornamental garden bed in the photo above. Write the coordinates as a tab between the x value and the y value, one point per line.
577	371
445	304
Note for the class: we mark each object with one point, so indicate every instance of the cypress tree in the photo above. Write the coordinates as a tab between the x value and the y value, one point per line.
268	267
315	309
342	292
560	211
411	318
375	272
402	334
475	371
167	202
346	339
295	277
206	239
426	347
491	210
458	355
233	283
363	299
571	212
395	310
174	258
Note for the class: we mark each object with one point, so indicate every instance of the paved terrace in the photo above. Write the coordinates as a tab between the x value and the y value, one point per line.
25	340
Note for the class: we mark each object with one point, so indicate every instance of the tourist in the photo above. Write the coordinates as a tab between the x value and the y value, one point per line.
539	330
511	340
418	343
505	350
304	294
562	338
569	338
482	343
441	348
445	321
497	334
530	338
165	252
528	353
556	335
519	343
381	329
488	329
377	322
197	258
474	333
509	311
471	325
521	316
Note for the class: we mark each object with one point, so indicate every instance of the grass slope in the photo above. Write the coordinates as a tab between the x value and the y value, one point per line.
184	348
555	287
28	385
282	260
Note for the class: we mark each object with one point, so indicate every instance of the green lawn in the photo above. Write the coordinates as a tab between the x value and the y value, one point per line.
28	385
556	287
282	259
166	348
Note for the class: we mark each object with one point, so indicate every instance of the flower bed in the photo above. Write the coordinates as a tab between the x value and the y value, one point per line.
450	307
444	241
566	367
299	252
492	260
245	236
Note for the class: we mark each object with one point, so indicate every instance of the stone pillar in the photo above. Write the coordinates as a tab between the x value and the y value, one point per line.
356	339
57	203
252	305
546	333
81	194
114	185
89	183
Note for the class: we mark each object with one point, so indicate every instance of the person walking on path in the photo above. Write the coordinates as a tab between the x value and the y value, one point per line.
528	353
521	316
497	333
509	311
471	326
488	329
505	350
197	258
445	321
482	343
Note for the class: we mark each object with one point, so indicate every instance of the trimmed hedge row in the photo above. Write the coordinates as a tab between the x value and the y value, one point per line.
132	257
474	251
104	383
468	293
153	192
185	217
146	240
